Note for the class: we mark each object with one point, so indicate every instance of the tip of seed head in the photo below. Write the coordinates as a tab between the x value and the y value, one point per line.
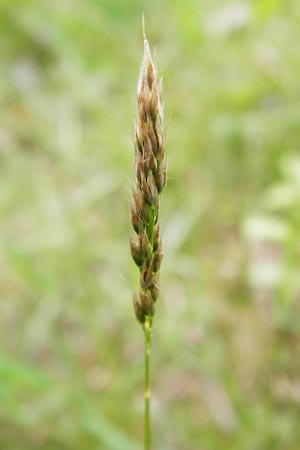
147	68
147	54
143	27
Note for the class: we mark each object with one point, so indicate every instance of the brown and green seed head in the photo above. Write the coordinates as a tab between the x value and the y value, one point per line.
150	174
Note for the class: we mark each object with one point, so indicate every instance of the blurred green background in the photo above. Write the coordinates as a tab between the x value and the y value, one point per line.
226	338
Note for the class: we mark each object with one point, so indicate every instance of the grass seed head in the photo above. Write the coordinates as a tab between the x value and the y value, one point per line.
150	176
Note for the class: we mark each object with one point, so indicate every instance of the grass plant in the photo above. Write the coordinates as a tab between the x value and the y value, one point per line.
150	174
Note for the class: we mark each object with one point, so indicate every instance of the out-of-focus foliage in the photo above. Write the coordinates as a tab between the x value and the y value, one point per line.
226	359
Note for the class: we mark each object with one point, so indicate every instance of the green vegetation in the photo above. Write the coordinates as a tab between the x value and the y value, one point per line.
226	359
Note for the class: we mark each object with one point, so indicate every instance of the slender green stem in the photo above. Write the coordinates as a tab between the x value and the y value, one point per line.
147	414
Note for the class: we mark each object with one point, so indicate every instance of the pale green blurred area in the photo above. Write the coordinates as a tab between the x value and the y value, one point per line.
226	338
